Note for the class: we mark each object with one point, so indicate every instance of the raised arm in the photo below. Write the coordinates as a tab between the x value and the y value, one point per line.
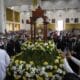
67	67
65	62
75	60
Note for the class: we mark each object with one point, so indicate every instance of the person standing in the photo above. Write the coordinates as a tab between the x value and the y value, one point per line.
10	48
17	46
4	62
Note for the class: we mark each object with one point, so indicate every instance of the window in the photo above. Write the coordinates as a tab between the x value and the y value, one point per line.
67	20
76	20
53	20
60	25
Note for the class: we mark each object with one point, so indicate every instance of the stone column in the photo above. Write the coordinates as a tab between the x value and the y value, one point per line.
2	16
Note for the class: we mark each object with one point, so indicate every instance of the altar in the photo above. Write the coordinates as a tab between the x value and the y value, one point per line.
36	20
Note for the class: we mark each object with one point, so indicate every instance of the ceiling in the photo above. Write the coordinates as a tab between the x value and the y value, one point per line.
46	4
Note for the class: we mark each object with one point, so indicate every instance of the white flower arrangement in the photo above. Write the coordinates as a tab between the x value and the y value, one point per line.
39	59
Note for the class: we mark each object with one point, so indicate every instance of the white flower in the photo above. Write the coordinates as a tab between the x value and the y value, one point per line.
20	66
21	62
14	68
53	78
55	67
58	77
58	57
49	67
53	45
46	74
59	70
61	65
45	44
31	62
43	68
28	66
36	43
27	74
49	42
32	74
51	49
20	71
33	70
42	72
56	61
45	63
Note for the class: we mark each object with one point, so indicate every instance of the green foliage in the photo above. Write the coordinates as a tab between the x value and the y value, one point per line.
39	52
41	58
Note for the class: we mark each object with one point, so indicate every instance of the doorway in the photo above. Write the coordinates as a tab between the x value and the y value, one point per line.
60	25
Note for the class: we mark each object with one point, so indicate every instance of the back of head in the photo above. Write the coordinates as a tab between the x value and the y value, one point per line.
71	76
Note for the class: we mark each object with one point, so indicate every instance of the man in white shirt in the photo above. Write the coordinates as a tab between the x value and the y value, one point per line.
4	62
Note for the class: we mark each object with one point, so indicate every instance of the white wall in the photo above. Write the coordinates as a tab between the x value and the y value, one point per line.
57	15
24	16
56	9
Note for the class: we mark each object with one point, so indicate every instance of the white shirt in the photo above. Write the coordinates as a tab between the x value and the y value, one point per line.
4	62
75	60
67	67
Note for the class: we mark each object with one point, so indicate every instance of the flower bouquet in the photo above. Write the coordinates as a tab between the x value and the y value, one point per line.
37	61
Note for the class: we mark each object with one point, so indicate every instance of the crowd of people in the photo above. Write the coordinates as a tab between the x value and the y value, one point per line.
67	42
12	42
10	45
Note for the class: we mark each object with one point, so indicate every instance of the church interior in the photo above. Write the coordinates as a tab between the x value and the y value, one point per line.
39	39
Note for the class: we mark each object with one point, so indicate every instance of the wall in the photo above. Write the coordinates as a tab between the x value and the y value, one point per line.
57	15
12	20
23	20
56	9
